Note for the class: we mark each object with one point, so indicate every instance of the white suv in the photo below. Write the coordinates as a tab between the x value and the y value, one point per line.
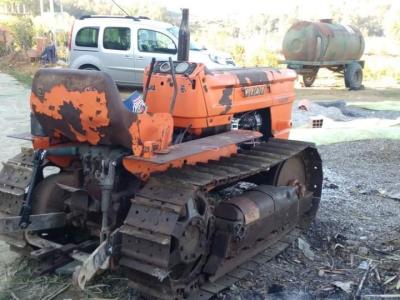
124	46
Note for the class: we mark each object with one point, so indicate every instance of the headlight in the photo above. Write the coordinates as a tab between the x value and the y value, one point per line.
217	59
230	61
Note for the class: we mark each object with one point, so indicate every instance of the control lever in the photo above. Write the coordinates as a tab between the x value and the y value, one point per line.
172	68
146	88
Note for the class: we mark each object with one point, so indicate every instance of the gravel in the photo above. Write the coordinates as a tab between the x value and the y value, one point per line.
302	117
353	223
358	111
356	226
337	111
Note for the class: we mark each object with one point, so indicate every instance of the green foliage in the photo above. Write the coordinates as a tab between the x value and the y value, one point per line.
396	29
80	8
31	6
376	73
3	49
238	54
369	25
367	15
21	76
393	24
263	58
22	31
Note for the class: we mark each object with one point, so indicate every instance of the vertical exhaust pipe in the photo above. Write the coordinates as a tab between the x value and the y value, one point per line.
184	37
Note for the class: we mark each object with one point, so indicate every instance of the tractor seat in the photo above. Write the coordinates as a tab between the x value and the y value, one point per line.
81	106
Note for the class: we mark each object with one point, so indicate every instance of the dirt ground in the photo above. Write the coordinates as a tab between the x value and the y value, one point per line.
356	234
330	86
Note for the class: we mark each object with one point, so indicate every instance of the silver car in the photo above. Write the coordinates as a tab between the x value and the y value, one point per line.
124	46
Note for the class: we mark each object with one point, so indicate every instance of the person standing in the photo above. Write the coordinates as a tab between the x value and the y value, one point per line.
52	48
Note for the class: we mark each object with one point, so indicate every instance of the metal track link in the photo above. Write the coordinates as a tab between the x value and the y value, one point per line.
148	230
210	289
15	177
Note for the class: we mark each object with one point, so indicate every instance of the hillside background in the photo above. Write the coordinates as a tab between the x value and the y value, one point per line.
251	31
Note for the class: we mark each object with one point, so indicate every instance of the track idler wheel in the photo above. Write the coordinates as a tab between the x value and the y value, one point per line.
299	172
190	245
193	241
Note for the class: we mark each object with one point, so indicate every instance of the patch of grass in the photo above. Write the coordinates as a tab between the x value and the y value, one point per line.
18	282
378	67
378	73
20	75
23	74
18	65
381	105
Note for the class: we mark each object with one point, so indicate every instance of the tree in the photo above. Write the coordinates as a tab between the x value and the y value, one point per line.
22	31
81	8
395	29
32	7
392	23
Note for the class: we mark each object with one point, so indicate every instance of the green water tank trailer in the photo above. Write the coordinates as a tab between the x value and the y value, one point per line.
308	46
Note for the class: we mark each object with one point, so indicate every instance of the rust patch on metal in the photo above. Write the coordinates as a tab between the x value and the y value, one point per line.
301	24
249	208
226	99
85	106
77	115
73	80
253	76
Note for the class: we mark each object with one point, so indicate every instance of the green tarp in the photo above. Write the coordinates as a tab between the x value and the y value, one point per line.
380	105
360	129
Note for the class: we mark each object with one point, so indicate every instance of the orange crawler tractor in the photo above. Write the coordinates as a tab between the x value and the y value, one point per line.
185	198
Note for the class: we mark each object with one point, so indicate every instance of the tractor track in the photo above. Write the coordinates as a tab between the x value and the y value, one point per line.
148	230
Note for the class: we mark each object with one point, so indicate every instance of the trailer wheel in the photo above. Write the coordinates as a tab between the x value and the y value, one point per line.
353	76
309	79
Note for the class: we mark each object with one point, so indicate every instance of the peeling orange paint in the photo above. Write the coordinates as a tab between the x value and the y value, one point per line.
156	129
92	107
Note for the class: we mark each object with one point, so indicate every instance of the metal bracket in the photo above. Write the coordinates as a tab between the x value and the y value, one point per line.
106	182
98	259
26	208
36	222
39	157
